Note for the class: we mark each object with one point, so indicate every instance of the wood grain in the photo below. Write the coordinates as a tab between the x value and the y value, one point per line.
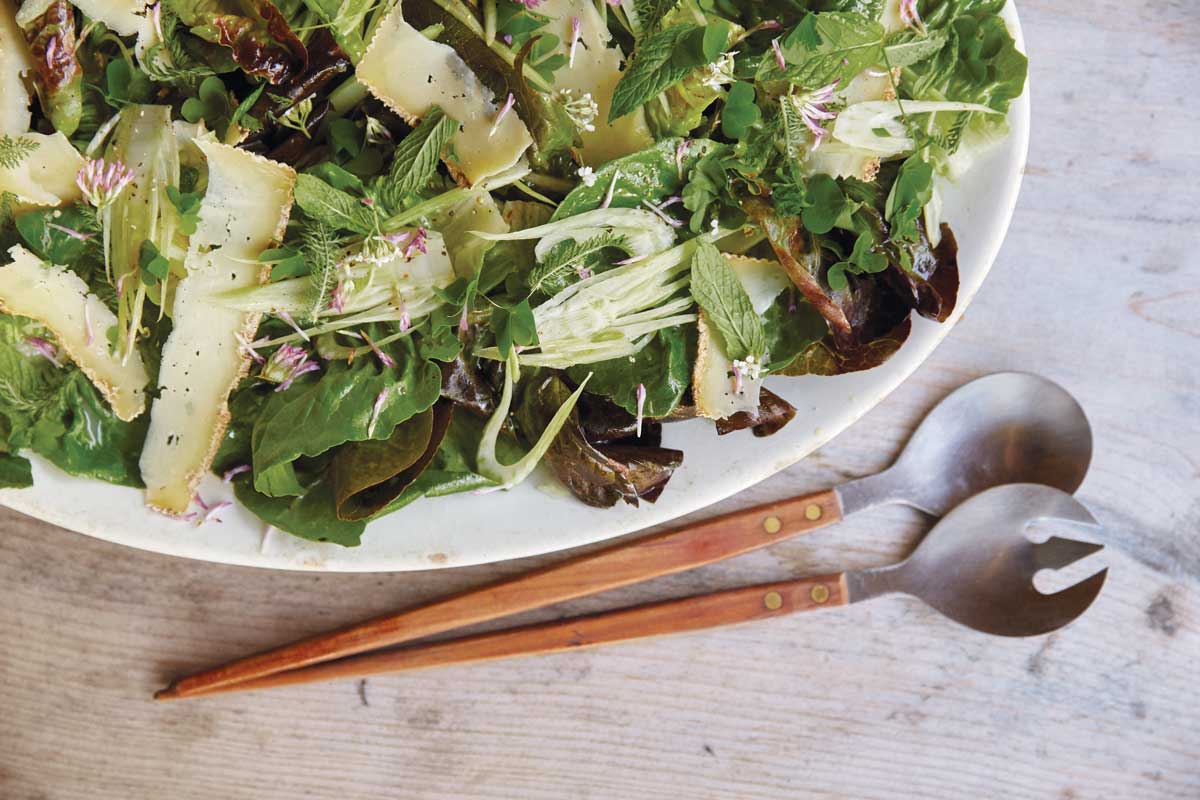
668	617
1095	288
635	560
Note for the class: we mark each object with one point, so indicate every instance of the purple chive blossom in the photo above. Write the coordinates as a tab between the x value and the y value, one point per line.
247	348
614	3
210	512
51	51
583	272
286	317
462	321
287	364
507	39
367	201
779	59
43	348
813	112
737	377
909	16
631	260
509	102
380	399
405	319
417	245
87	324
641	405
101	181
574	41
156	18
383	357
121	283
74	234
337	299
612	187
530	3
680	152
230	474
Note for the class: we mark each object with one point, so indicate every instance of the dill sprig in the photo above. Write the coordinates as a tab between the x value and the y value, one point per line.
321	248
566	261
15	149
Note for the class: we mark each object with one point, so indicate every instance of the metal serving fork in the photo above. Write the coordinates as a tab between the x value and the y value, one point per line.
976	567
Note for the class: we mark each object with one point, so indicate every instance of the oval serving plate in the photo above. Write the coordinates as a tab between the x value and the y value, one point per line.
535	517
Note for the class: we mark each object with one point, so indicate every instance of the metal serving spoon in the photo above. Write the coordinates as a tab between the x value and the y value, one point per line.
1008	427
976	566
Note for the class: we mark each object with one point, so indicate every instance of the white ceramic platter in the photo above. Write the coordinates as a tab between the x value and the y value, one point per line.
533	518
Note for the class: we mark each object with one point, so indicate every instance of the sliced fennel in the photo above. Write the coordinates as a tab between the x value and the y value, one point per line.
611	314
838	158
595	71
15	62
411	73
59	299
645	233
720	387
245	208
388	291
144	140
876	126
125	17
507	476
45	177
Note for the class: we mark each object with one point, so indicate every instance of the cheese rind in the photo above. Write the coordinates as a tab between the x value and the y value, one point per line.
245	208
411	74
59	299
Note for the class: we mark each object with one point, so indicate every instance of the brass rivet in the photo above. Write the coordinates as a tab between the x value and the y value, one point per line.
812	511
772	524
772	600
819	593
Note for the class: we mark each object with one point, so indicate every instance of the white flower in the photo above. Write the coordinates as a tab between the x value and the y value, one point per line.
582	110
720	72
587	176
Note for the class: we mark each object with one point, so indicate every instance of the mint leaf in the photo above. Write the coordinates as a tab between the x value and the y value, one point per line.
650	13
417	158
826	47
726	305
335	208
660	61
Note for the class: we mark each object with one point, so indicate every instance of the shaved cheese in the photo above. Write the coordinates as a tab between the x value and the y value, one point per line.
123	16
245	208
596	71
15	61
411	74
713	380
46	177
59	299
477	213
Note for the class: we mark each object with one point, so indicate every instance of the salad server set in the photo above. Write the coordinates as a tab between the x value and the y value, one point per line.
994	457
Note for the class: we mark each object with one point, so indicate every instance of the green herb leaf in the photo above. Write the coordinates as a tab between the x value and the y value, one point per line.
320	247
663	366
417	157
334	208
154	267
741	112
188	206
826	47
15	149
904	49
562	264
650	13
660	60
726	305
514	325
910	192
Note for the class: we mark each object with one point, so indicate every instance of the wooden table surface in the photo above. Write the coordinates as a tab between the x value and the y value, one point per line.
1097	287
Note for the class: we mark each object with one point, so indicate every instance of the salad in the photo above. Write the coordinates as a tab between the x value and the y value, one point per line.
349	254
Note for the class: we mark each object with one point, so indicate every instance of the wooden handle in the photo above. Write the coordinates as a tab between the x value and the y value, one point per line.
665	553
640	622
